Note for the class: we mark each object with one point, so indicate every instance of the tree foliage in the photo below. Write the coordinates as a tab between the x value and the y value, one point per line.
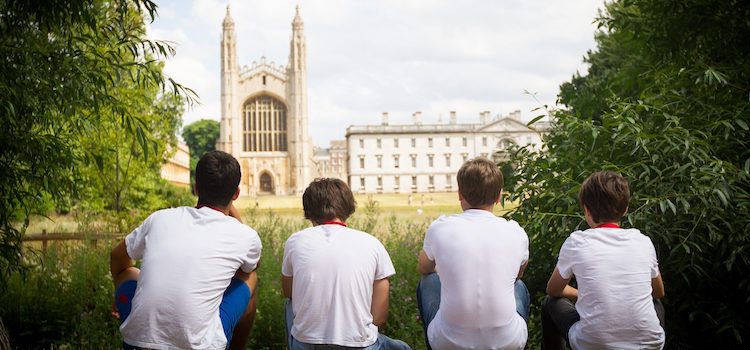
201	137
666	102
64	68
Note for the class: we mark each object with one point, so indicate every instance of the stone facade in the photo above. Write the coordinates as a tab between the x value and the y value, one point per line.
176	169
419	158
331	162
264	116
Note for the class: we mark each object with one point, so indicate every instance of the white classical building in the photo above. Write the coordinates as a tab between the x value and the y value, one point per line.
418	158
264	116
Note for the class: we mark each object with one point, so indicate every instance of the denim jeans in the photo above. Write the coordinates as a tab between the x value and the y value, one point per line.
428	300
382	343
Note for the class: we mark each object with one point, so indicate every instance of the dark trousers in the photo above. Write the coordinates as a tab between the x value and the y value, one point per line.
559	314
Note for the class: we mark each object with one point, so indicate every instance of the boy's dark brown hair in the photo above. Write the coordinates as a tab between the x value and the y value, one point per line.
217	176
326	199
606	195
480	182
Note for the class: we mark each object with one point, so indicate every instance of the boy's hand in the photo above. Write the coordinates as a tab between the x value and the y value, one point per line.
233	212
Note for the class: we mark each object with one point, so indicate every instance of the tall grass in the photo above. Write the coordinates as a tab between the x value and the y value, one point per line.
64	299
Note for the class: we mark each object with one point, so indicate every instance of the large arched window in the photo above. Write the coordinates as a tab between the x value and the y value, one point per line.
263	125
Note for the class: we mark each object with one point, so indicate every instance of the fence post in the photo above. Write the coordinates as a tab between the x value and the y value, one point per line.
44	242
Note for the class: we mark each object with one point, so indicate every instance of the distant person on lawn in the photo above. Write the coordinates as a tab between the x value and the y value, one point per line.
336	277
616	305
471	295
196	285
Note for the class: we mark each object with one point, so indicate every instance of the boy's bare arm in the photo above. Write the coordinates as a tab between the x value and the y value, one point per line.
119	260
286	286
657	287
522	269
379	308
425	266
558	287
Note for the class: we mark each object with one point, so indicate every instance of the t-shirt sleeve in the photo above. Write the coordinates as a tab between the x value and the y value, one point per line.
525	246
252	256
135	242
566	259
429	241
654	262
286	265
384	266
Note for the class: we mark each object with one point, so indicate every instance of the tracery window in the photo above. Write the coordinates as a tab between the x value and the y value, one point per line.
264	125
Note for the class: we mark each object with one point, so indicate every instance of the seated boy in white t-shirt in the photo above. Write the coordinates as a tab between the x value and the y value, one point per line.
335	276
196	285
471	295
616	303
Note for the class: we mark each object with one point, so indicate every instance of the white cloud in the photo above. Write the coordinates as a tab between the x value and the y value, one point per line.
366	57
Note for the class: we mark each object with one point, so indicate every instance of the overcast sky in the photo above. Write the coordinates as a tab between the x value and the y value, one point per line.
396	56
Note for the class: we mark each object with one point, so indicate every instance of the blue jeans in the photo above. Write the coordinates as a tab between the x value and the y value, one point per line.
382	343
428	300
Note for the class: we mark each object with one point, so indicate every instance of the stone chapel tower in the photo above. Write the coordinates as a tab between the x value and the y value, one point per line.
264	116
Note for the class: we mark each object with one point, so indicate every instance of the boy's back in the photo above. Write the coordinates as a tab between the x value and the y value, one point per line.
189	257
334	268
613	268
478	256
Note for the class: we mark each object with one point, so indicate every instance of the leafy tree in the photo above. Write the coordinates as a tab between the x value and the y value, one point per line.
62	65
200	137
665	103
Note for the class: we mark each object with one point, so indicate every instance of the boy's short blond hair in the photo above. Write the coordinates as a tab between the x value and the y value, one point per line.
480	182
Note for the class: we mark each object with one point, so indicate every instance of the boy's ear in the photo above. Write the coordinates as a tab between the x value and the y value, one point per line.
499	196
236	193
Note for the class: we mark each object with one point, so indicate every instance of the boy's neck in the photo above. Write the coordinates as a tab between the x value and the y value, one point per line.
223	210
466	206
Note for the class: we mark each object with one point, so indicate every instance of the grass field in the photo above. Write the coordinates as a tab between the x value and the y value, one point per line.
77	314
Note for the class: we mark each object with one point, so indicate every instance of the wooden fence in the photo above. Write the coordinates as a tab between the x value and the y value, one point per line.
45	237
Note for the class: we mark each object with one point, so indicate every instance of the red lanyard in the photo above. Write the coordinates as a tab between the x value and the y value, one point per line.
608	226
333	223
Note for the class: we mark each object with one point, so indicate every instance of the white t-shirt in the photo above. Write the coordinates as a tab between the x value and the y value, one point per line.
189	257
334	268
477	256
613	268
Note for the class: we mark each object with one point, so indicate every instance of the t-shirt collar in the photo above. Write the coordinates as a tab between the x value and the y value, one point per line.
478	212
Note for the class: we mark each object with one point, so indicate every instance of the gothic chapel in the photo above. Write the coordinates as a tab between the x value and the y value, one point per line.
264	116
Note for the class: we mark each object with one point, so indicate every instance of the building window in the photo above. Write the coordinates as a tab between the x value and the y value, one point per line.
447	160
395	142
395	161
432	180
396	180
430	160
413	160
264	125
464	141
484	141
413	142
485	155
361	143
361	162
362	182
465	157
380	161
447	142
447	180
413	181
380	181
380	143
429	142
